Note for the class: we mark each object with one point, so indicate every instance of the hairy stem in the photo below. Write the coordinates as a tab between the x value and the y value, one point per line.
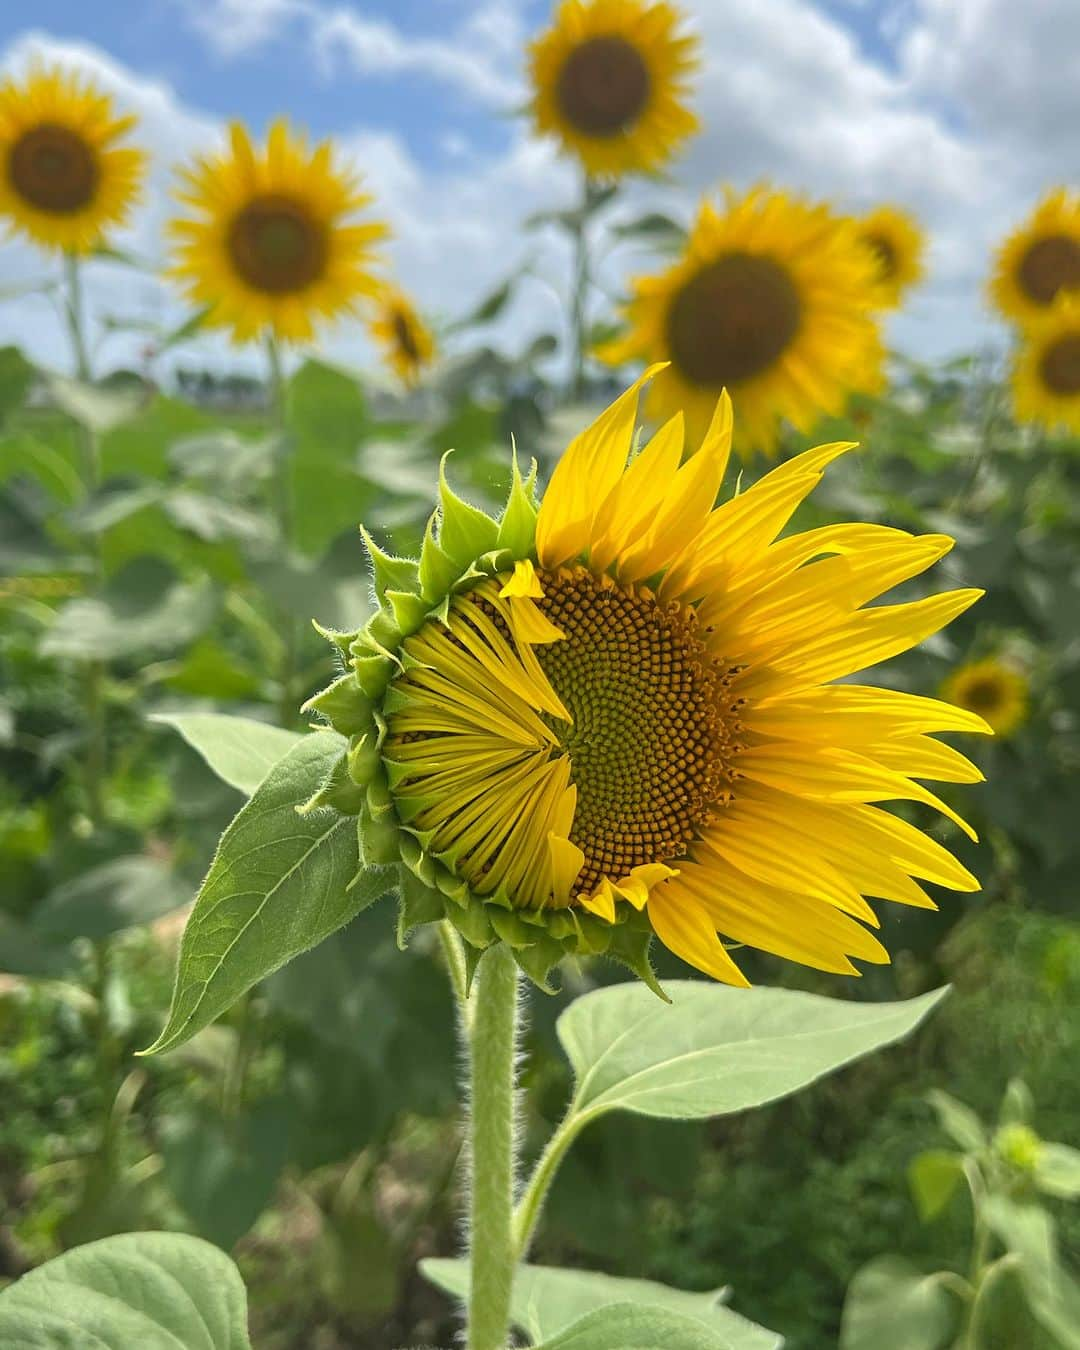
492	1047
283	507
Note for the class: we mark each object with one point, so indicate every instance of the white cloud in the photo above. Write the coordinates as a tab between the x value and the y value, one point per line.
233	27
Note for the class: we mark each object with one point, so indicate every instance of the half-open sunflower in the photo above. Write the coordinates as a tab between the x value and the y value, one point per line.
609	80
1046	369
1040	261
612	715
63	179
996	692
274	243
896	244
771	300
407	342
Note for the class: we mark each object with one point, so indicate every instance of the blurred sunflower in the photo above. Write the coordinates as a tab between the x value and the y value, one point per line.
1040	260
612	714
998	693
407	341
771	300
897	245
273	245
65	181
609	81
1046	369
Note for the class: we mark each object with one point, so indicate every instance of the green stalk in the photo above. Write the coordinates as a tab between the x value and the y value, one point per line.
527	1213
492	1047
284	510
579	294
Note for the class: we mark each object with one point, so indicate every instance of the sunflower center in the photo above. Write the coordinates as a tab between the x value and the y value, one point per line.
651	738
1050	265
983	695
276	245
1060	365
403	336
884	254
53	169
732	320
603	86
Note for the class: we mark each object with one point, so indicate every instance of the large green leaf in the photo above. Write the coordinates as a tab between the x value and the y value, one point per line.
154	1291
240	750
892	1306
1052	1294
626	1326
715	1050
547	1301
118	894
97	409
279	883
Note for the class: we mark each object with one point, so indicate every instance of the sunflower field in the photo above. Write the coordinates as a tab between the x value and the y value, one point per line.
566	844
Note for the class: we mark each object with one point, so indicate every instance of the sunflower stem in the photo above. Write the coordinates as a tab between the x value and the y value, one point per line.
284	512
492	1137
579	295
527	1213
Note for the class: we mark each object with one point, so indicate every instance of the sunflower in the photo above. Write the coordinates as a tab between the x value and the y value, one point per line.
996	692
613	715
64	180
1046	369
609	81
896	244
1040	260
273	244
407	341
772	301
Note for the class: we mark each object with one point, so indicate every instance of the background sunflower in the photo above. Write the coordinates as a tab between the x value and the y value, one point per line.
1040	260
897	245
407	342
1046	369
63	179
771	300
272	244
993	690
610	81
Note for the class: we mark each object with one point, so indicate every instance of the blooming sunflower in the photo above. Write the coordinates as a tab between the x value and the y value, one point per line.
896	244
1040	260
609	81
771	300
997	692
64	180
273	244
611	715
1046	369
407	341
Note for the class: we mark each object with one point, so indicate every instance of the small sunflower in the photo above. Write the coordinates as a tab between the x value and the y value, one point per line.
771	300
274	244
996	692
896	244
64	181
406	340
1046	369
609	80
1040	261
613	714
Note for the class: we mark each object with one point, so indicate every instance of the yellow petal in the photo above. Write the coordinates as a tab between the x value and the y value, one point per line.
683	925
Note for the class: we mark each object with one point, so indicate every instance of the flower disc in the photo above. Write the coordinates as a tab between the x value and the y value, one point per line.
1046	369
1040	262
407	342
995	691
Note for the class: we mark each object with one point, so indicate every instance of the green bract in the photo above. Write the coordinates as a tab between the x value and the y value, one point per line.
462	547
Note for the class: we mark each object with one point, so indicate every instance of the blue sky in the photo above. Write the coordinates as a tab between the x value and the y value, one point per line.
945	106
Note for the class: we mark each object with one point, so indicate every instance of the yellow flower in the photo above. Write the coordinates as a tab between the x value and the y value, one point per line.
1046	369
614	715
993	690
1040	260
273	244
63	180
609	81
772	300
896	244
407	341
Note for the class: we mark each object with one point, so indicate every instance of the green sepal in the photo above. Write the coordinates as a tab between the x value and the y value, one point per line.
472	960
594	934
380	840
464	531
338	791
538	961
438	571
630	947
472	923
382	635
342	641
511	929
517	525
344	705
421	864
363	757
409	610
420	904
390	573
372	674
379	801
452	887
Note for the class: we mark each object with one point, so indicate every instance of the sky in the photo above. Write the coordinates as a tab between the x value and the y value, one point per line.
963	111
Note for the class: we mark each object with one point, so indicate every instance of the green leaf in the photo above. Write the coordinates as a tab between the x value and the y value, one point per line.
240	750
547	1301
490	307
1017	1106
625	1326
1052	1294
1057	1171
933	1177
119	894
653	227
279	883
16	377
958	1121
715	1050
156	1291
892	1306
97	409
